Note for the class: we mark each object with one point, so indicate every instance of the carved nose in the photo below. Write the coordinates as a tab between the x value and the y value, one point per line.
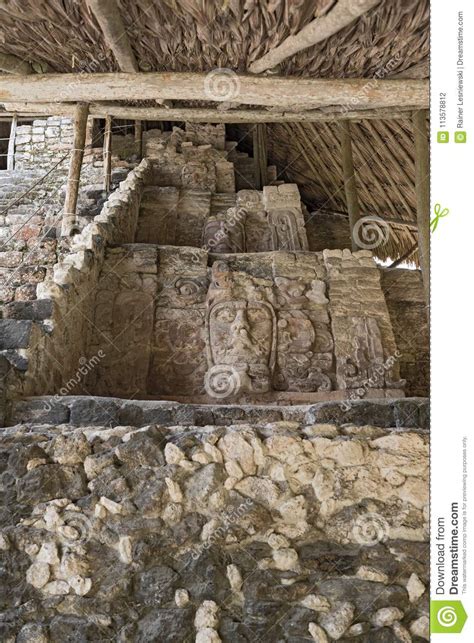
240	322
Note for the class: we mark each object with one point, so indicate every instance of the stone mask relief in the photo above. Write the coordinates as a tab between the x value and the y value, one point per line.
241	335
262	326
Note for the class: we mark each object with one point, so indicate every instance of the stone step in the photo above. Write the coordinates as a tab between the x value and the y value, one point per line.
108	411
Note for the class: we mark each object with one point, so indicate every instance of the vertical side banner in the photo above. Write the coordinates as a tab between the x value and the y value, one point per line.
452	233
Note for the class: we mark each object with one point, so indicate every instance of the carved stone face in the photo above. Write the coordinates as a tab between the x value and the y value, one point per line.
241	335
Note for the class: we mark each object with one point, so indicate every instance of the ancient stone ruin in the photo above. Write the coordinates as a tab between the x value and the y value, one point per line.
213	430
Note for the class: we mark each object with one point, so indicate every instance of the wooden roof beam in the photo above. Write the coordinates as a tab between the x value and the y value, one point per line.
115	34
202	115
283	92
344	12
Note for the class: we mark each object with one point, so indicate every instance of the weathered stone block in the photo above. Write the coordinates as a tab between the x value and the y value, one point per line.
15	333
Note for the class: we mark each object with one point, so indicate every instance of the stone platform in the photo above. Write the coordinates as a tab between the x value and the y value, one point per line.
108	411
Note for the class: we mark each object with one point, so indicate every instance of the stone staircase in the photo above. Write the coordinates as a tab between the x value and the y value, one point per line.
29	226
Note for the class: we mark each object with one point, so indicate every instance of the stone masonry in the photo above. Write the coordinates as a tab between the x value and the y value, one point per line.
207	436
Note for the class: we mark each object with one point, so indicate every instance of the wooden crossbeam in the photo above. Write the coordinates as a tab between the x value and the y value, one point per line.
355	93
203	115
111	24
344	12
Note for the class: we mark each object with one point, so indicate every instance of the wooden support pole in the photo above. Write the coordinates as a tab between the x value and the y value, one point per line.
259	142
11	144
422	185
111	24
108	154
77	154
262	152
139	138
350	186
269	91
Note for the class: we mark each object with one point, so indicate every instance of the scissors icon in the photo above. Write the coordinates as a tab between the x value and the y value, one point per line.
440	213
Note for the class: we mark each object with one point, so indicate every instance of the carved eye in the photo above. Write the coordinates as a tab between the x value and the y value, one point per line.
225	315
256	315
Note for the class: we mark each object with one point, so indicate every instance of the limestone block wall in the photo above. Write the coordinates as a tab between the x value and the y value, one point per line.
42	143
273	531
45	340
403	290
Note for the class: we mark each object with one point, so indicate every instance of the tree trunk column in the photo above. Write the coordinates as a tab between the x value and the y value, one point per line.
108	154
422	184
349	180
70	203
139	138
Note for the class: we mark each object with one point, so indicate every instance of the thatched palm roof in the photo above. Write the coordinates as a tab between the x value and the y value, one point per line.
199	35
391	40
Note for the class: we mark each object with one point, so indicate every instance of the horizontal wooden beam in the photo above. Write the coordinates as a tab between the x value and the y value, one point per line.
203	115
355	93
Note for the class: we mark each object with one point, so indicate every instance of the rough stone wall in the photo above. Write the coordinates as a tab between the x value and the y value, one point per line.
45	340
272	531
403	290
139	520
